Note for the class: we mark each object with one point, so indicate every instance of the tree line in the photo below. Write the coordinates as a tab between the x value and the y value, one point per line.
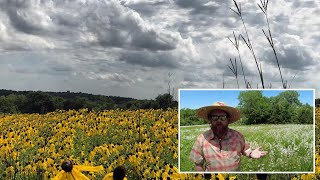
285	108
43	102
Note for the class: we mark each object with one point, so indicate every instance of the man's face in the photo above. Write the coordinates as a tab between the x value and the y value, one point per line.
219	121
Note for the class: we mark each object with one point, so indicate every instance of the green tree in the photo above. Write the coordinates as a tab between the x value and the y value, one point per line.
13	103
292	97
101	103
284	107
155	105
40	102
21	103
189	117
7	105
165	101
282	112
78	103
304	114
254	107
146	104
57	102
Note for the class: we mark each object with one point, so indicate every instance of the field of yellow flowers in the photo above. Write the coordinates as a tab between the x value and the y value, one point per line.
144	141
33	146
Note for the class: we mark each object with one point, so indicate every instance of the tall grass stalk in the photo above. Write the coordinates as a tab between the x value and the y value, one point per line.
247	40
264	8
236	45
234	69
292	79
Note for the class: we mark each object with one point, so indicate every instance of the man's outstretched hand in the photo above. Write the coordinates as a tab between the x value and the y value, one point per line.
257	153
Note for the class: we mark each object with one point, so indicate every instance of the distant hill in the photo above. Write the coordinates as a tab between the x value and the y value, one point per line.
69	95
42	102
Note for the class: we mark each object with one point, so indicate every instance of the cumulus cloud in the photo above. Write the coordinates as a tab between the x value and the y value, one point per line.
119	26
202	6
144	7
294	55
128	47
150	59
106	23
121	78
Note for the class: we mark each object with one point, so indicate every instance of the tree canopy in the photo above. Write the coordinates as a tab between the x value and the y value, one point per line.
255	108
281	109
43	102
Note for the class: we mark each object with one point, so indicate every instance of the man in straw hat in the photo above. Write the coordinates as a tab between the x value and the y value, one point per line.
220	148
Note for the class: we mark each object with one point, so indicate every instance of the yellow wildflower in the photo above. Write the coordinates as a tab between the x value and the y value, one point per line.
220	177
232	177
71	172
119	172
109	176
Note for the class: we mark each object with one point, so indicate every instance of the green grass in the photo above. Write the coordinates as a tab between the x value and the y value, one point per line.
290	147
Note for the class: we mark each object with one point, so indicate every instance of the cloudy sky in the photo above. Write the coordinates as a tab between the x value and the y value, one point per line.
135	48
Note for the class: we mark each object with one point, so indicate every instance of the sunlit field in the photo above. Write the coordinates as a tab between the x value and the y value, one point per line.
144	141
290	147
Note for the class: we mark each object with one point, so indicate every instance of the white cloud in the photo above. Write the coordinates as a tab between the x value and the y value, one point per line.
102	46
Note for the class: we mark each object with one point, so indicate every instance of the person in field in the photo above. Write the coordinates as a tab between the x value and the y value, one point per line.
220	148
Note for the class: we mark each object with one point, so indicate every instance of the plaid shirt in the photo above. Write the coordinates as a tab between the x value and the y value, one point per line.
219	154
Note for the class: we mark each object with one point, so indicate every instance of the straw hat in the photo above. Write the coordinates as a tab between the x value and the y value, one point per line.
234	114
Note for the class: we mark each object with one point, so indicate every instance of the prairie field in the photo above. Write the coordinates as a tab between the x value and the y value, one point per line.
33	146
144	141
290	147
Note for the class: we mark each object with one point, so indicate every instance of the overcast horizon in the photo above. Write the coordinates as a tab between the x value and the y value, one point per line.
133	48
